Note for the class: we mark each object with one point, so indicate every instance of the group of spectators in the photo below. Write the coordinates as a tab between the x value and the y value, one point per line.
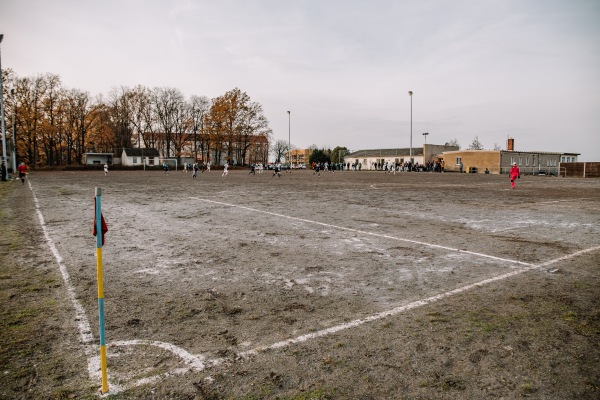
430	166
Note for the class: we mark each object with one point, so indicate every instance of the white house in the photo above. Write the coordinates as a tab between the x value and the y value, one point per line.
140	156
377	158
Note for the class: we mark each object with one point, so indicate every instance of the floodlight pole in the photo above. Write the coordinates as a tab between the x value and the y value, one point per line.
14	140
410	93
425	146
289	140
2	108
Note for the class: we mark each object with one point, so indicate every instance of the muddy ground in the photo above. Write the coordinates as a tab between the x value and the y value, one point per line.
206	279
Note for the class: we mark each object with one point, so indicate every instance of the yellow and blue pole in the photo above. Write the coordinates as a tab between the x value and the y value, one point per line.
100	288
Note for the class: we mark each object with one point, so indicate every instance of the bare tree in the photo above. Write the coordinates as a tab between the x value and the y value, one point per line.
475	145
253	124
50	122
453	142
280	148
142	118
78	122
167	103
182	126
119	118
30	92
199	107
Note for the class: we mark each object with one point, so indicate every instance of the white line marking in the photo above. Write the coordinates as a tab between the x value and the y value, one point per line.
562	201
194	362
400	309
435	246
85	331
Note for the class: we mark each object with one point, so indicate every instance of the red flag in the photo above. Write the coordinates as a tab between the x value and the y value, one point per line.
104	226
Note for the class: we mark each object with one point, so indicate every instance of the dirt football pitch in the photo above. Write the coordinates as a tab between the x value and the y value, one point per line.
347	285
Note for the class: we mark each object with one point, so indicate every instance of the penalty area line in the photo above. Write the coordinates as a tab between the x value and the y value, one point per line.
400	309
380	235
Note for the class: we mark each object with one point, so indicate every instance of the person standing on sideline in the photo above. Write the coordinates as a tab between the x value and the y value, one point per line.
165	168
105	169
22	172
195	167
3	172
225	172
514	174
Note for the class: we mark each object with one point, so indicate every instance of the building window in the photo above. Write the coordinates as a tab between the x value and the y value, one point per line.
527	161
151	161
520	160
563	159
512	160
135	160
458	160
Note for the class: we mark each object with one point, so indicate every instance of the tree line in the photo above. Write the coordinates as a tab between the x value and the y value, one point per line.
55	125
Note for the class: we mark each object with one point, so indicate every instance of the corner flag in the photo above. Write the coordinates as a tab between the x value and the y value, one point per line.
104	226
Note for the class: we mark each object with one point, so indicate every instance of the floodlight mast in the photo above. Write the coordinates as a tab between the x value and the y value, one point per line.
2	109
410	93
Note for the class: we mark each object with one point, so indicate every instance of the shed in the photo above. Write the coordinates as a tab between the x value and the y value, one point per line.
140	156
97	158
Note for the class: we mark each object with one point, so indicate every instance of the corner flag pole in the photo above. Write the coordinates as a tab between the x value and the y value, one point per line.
99	241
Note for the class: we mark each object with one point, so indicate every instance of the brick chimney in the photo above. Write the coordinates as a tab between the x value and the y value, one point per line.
510	144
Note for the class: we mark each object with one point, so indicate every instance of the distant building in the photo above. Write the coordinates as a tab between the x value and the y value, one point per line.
300	157
500	161
375	158
140	156
97	158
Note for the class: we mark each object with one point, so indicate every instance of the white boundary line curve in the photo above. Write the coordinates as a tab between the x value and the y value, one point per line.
83	323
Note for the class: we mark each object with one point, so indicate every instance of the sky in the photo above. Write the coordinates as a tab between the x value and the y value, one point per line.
491	69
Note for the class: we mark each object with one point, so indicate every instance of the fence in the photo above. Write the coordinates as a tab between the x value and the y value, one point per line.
582	169
554	171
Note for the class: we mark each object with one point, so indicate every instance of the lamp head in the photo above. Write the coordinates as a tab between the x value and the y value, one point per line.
410	92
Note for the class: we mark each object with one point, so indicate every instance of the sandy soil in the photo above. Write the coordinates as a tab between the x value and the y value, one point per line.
489	292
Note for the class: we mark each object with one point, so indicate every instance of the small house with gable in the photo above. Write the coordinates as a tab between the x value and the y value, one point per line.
140	156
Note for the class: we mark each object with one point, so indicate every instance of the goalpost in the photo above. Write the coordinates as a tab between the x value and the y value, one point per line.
170	162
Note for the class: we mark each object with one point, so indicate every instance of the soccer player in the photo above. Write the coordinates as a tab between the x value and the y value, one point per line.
225	172
514	174
22	171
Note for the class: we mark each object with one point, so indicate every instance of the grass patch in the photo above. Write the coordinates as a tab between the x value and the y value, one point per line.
437	317
491	322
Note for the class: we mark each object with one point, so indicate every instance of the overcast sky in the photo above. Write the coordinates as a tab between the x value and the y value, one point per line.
529	69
